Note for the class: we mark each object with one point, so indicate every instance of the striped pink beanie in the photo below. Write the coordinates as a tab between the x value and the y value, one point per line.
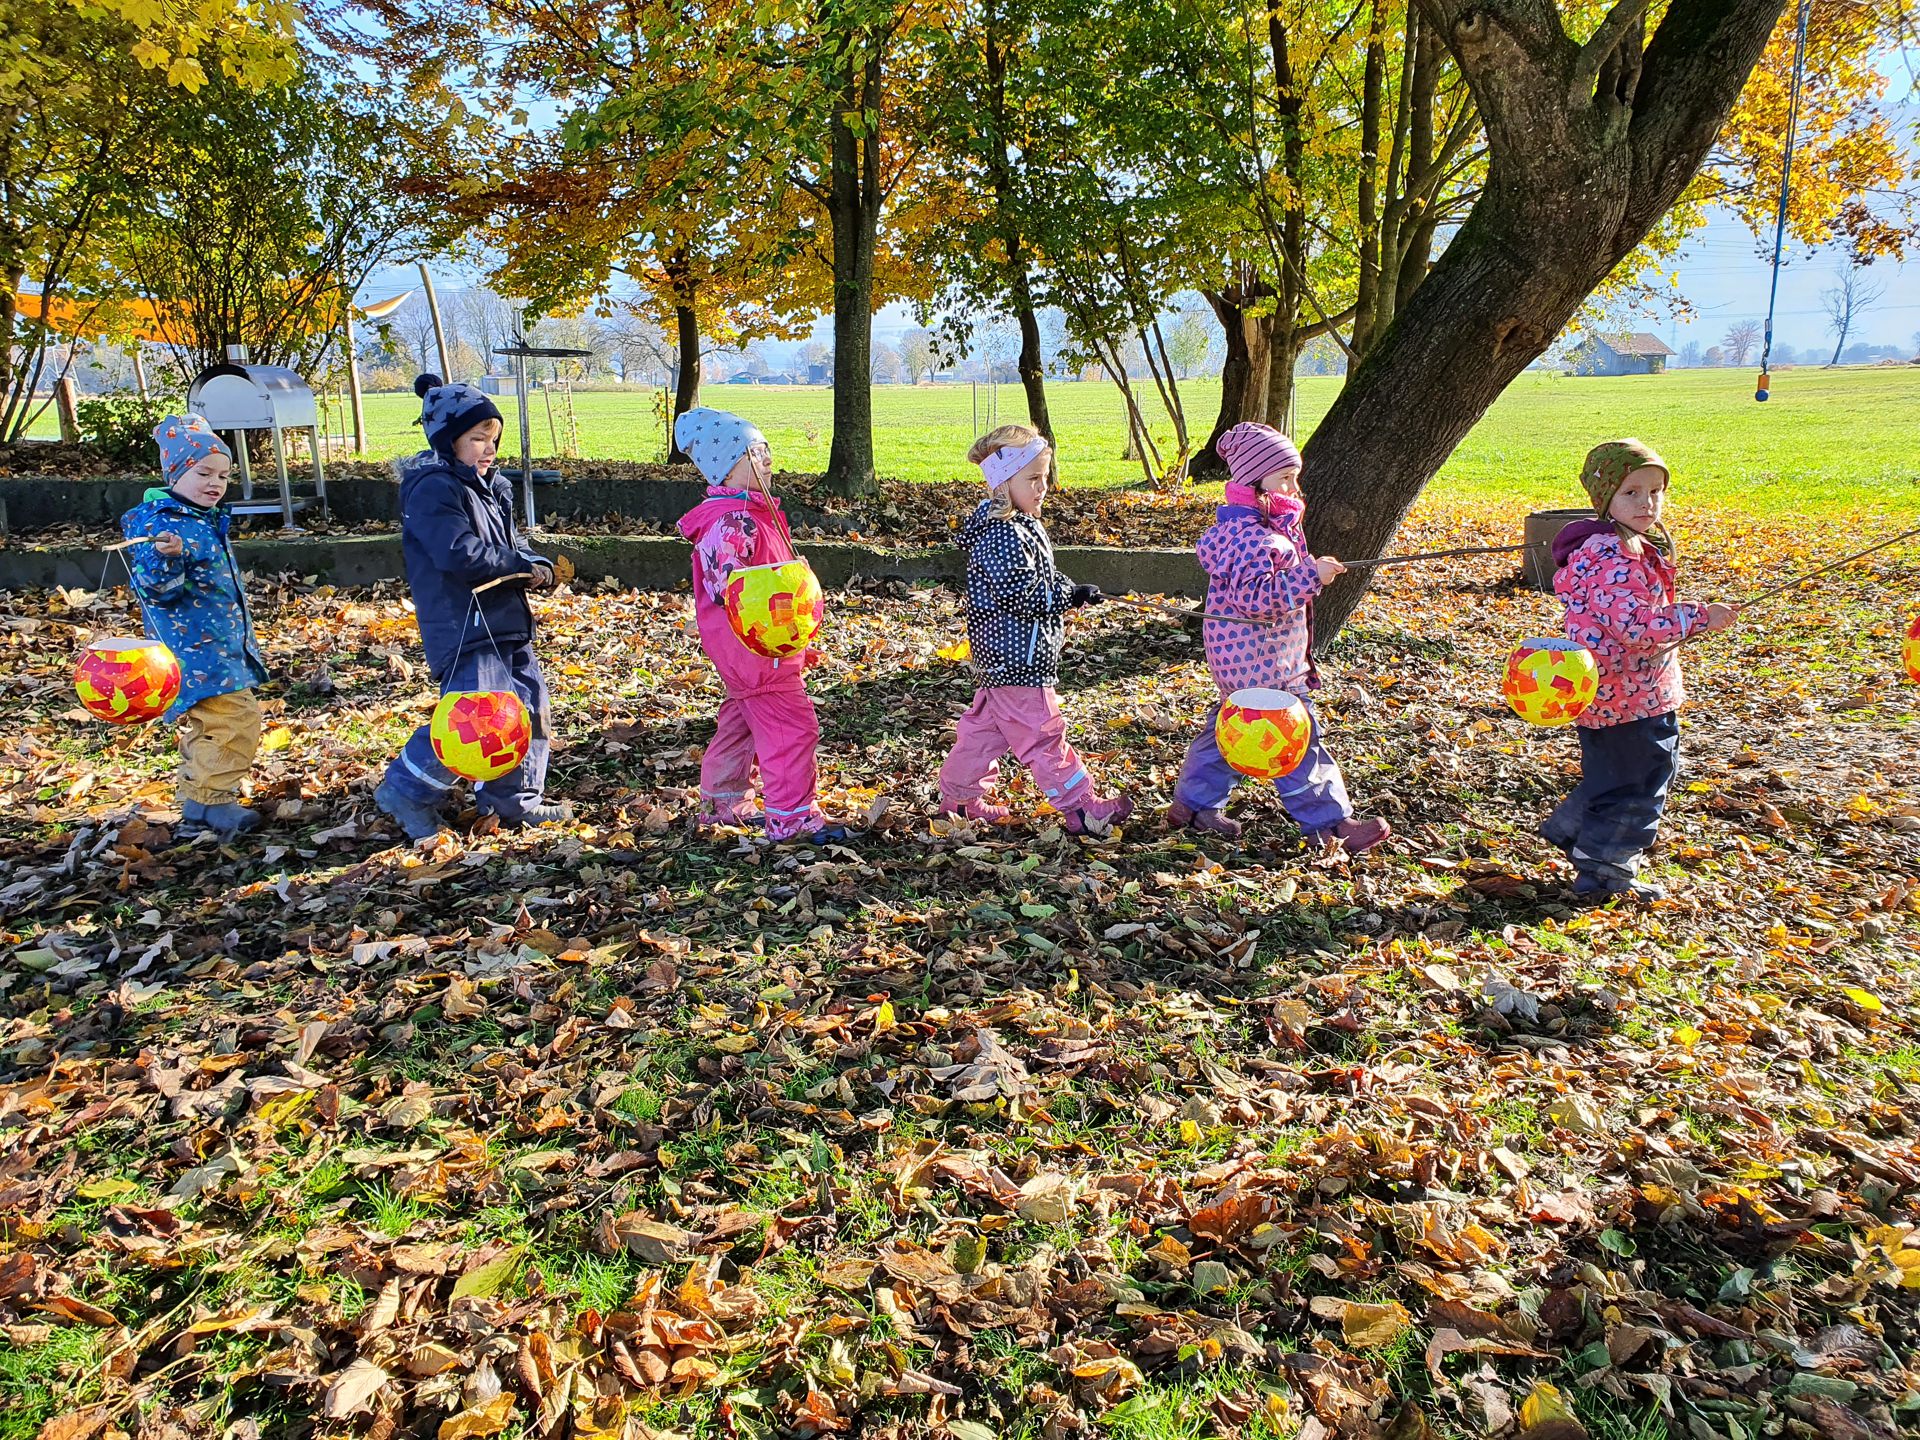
1254	451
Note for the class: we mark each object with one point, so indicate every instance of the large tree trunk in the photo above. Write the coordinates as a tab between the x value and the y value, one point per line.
1589	146
855	212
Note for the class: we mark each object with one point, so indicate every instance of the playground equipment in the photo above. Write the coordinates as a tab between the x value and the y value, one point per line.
239	397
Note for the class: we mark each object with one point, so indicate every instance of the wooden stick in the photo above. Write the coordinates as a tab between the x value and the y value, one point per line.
503	580
1776	590
1440	555
1184	613
128	544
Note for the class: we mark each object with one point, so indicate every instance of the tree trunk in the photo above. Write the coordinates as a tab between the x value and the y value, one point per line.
1283	354
855	213
1589	145
1031	365
1373	86
1235	370
686	374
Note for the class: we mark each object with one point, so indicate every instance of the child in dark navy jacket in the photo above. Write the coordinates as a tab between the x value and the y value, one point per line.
1017	601
456	532
193	599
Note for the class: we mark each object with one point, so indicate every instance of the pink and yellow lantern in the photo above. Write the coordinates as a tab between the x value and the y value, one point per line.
1549	682
480	734
1263	733
776	610
127	680
1910	650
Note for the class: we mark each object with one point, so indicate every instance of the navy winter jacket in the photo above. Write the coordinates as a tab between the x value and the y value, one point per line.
1015	600
456	532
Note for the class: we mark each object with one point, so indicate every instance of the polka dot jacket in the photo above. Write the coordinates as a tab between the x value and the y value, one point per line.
1015	600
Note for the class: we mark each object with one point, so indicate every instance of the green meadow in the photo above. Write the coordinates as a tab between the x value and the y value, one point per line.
1829	440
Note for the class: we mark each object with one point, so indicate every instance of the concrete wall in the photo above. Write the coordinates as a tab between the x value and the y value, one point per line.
643	562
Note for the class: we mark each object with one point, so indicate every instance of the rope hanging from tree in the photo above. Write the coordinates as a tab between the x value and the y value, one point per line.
1786	182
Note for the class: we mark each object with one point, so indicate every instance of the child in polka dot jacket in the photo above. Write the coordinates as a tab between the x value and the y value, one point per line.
1016	603
1258	566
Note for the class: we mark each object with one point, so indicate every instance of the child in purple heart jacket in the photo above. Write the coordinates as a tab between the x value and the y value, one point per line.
1258	566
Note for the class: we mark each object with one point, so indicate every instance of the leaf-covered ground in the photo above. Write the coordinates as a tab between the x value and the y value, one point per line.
622	1129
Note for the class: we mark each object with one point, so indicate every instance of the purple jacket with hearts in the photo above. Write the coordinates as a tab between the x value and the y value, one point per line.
1259	567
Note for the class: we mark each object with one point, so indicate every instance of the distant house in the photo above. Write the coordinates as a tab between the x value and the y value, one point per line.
1637	353
819	374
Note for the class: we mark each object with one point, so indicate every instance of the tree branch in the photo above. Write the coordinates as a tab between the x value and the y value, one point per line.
1603	42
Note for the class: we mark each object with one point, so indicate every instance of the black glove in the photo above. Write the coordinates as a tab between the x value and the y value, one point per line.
1084	595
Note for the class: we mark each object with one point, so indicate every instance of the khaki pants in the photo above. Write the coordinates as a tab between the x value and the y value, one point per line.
218	740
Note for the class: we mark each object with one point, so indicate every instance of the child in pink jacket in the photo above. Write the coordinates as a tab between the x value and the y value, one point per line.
1615	574
767	715
1258	565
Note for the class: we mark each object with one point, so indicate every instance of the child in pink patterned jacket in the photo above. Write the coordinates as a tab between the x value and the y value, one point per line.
1258	566
1615	574
767	715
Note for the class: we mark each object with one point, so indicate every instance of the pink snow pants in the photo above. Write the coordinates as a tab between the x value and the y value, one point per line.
776	726
1027	720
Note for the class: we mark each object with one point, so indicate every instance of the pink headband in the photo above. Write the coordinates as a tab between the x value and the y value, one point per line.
1005	463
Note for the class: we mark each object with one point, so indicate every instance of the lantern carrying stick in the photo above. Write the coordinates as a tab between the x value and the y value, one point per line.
1183	613
128	544
503	580
1776	590
1415	559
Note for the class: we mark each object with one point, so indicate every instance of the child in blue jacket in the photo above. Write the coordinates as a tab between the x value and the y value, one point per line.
191	593
456	532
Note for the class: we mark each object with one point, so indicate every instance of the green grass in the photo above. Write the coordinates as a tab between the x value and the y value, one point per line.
44	1380
1828	440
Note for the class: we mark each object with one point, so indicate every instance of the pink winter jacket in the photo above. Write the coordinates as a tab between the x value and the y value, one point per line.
731	530
1259	567
1622	608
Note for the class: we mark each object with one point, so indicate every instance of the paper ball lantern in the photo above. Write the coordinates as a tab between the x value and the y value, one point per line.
1548	682
127	681
776	610
1910	650
480	734
1263	733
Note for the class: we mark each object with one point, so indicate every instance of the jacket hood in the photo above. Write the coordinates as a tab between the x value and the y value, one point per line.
1572	537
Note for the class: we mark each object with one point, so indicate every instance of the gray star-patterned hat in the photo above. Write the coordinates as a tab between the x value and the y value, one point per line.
715	440
449	411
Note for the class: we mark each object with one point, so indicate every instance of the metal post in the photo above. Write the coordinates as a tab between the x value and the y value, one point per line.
439	331
319	473
246	464
526	437
353	383
280	464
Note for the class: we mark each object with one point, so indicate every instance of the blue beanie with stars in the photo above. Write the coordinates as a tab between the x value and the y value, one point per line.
449	411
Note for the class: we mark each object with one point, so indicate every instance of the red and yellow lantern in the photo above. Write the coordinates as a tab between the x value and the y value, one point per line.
480	734
776	610
127	680
1263	733
1910	650
1549	682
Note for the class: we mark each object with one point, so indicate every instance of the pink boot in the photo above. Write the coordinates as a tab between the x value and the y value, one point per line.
1097	816
975	809
1356	836
1182	816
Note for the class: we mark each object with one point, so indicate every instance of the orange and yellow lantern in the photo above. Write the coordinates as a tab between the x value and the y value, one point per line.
1910	650
480	734
1549	682
776	610
127	680
1263	733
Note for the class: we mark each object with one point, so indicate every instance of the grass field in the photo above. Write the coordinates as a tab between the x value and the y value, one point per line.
1829	439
